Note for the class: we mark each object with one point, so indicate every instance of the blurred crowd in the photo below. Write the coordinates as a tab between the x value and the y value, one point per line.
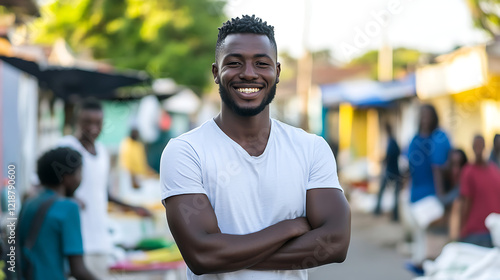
444	185
70	204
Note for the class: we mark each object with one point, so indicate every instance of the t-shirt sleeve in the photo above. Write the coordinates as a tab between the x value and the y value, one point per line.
441	149
323	168
180	170
71	231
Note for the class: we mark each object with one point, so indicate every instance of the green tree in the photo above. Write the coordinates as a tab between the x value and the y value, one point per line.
402	60
167	38
486	15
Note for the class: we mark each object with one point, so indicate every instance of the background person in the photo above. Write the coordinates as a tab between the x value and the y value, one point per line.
391	174
479	197
457	160
59	237
132	158
427	153
93	192
495	151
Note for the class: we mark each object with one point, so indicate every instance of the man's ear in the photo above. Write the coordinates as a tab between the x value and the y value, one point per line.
278	72
215	73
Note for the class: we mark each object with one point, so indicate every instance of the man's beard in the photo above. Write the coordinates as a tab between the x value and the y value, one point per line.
246	112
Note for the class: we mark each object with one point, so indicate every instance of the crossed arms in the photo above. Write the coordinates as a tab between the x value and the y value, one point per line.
320	238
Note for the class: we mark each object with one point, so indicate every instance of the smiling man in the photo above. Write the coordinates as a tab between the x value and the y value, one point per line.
246	196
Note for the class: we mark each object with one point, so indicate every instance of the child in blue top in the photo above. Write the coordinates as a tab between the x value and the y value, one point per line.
59	239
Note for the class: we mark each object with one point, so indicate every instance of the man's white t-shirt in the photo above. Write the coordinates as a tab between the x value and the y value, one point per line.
248	193
93	192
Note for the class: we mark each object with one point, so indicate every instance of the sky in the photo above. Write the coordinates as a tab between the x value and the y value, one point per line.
350	28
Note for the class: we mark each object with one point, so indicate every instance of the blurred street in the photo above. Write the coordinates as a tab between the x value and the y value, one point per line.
396	102
373	253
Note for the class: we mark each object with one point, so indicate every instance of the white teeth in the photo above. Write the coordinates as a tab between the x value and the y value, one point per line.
247	90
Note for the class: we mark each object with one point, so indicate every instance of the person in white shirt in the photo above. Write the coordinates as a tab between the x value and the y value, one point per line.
93	193
246	196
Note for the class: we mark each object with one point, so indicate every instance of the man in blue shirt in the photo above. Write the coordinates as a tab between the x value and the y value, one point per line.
428	151
59	237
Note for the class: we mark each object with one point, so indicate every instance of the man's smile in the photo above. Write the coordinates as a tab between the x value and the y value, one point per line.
248	91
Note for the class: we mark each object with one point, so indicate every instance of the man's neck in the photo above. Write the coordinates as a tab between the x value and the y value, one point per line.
480	162
251	133
87	144
425	132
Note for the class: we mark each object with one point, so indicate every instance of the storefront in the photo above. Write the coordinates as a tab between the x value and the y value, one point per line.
354	115
464	86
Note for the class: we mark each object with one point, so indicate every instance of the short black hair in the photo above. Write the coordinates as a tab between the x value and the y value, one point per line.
496	138
463	159
90	104
434	115
245	24
54	164
478	136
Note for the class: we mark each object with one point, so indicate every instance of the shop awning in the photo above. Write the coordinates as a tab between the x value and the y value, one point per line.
68	81
462	70
367	93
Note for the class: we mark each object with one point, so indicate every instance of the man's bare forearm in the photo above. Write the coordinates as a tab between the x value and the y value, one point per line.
455	220
114	199
329	215
317	247
437	175
227	252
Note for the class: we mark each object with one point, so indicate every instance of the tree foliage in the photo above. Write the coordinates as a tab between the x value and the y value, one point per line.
486	15
402	60
167	38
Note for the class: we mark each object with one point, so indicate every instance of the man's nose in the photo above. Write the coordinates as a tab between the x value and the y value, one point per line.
248	72
94	128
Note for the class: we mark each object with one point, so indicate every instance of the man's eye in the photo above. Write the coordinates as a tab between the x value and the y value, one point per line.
262	64
233	63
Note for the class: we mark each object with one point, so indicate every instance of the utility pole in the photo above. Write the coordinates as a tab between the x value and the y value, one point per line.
385	62
384	66
304	71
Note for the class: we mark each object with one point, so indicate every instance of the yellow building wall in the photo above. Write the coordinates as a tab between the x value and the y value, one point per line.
477	112
353	124
359	133
345	126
